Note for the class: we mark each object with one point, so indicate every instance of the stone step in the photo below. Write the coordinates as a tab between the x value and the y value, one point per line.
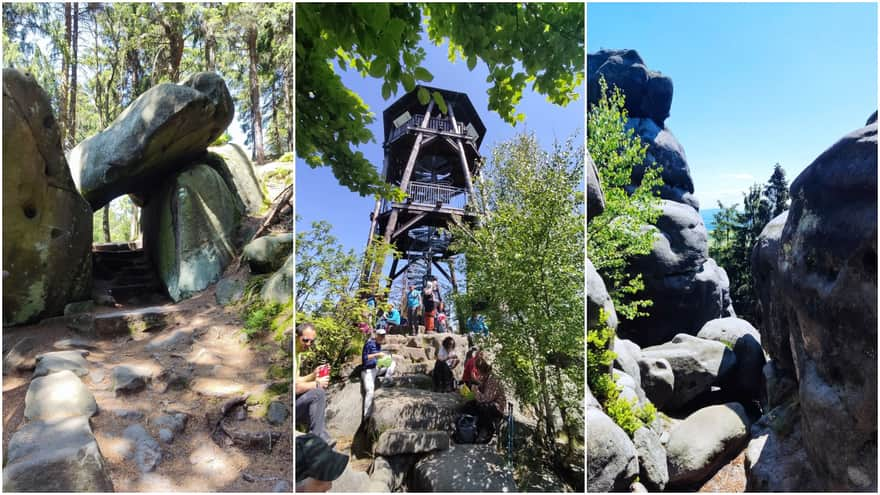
134	321
59	395
59	455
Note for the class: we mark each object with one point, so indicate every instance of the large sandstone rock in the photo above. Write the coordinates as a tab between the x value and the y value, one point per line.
770	308
704	441
746	344
268	253
165	128
826	286
696	363
189	228
398	442
627	359
653	471
463	468
413	409
47	225
665	151
53	362
279	287
657	380
598	300
648	93
233	164
612	460
59	455
776	460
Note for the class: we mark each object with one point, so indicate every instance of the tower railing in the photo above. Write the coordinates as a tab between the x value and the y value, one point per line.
437	124
435	195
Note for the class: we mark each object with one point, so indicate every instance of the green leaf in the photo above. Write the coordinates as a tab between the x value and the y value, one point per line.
423	95
439	101
408	82
422	74
471	62
377	67
386	90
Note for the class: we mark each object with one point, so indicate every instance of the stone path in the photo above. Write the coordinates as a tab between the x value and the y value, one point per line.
150	393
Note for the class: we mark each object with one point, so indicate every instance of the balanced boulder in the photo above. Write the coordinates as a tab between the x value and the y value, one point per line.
745	341
47	225
189	230
160	132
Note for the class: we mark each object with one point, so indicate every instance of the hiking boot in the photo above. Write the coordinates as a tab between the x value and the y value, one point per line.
387	382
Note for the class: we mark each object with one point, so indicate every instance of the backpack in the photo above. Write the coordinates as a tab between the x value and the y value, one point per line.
465	429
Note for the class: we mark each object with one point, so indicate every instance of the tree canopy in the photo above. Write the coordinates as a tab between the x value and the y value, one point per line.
522	44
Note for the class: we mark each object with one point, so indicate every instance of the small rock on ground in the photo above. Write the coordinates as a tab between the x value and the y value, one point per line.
53	362
144	449
58	395
277	413
130	379
20	357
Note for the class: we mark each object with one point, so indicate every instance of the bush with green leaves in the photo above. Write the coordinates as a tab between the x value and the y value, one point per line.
525	267
618	234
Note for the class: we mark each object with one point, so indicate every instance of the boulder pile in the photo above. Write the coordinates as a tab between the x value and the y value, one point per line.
690	358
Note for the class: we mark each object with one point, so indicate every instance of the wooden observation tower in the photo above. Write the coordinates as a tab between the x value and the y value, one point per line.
434	158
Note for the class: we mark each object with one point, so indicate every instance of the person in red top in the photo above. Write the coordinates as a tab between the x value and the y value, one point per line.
470	376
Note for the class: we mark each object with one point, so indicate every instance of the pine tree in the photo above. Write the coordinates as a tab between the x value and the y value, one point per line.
777	191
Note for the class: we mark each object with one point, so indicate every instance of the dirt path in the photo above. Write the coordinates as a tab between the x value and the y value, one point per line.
219	366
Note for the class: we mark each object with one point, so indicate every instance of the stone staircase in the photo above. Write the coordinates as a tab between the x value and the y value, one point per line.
125	272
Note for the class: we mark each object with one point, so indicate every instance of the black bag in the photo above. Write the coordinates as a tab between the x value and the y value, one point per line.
465	429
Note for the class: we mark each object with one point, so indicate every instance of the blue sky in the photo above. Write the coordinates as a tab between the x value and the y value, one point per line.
320	197
755	84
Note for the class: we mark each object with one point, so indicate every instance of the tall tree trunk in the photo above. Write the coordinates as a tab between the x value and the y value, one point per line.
65	76
135	230
288	105
106	223
254	86
74	42
279	144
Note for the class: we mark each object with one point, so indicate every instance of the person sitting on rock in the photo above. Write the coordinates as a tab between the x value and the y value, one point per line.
476	326
311	400
393	317
489	401
470	376
413	302
447	360
371	370
317	464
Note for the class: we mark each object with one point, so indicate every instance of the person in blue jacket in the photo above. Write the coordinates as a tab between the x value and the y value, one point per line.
371	370
393	317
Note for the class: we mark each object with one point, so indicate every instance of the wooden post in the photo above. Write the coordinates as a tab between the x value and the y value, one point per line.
462	156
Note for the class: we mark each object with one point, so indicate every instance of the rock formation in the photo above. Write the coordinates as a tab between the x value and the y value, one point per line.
687	287
47	226
156	135
690	357
816	276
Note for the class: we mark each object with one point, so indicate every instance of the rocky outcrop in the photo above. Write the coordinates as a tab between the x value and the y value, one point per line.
279	288
824	319
687	287
47	225
189	227
464	468
158	134
745	341
769	307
